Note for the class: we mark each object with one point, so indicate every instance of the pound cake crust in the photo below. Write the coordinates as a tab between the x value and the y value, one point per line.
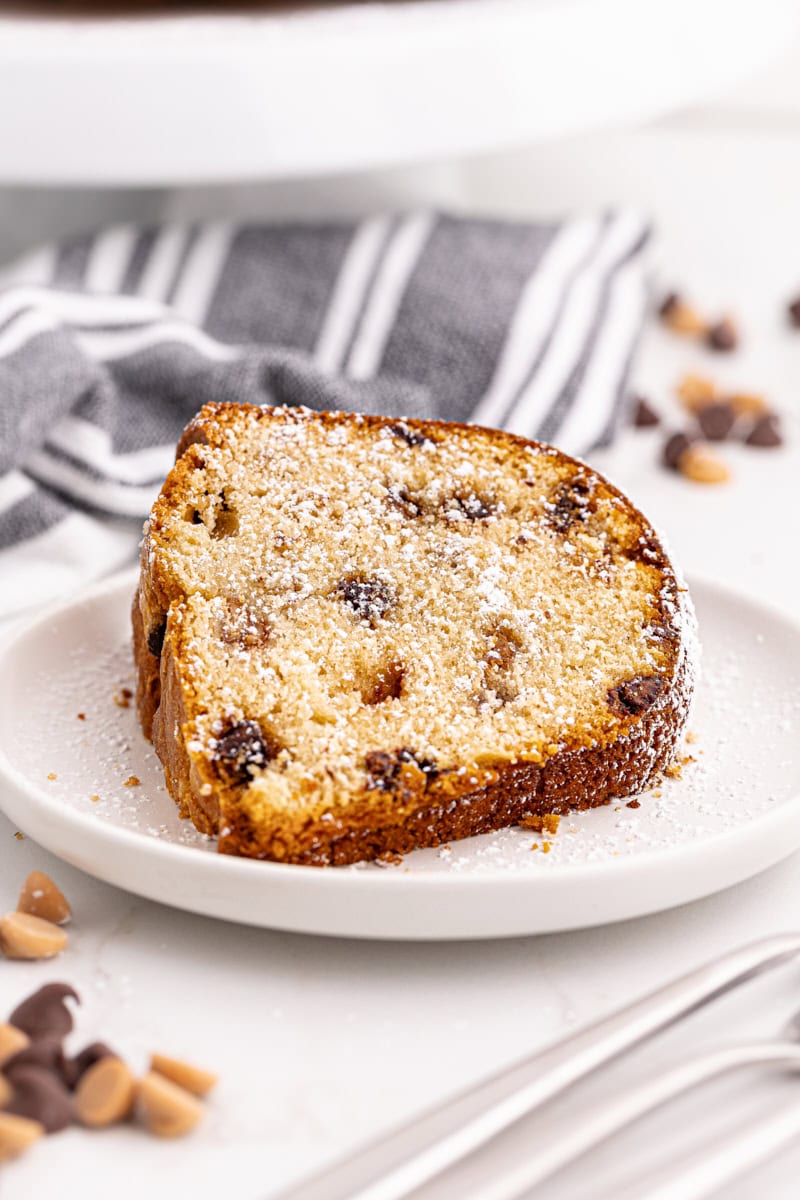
356	636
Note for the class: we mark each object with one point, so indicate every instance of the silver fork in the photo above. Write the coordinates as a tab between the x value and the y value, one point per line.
394	1165
590	1129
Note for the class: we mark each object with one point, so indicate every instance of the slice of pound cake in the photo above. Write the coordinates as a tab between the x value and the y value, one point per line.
359	635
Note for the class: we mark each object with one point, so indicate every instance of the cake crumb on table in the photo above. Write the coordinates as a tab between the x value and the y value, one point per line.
132	781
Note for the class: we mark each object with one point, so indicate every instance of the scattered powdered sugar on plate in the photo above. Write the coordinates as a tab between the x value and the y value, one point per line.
743	730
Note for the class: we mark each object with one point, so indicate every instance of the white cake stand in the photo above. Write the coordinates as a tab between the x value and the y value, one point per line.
193	97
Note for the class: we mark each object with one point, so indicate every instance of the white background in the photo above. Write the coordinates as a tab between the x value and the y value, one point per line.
320	1043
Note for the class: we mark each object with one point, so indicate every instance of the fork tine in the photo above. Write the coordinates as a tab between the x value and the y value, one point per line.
728	1159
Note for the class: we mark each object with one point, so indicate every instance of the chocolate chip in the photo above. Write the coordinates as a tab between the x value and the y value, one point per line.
643	416
426	765
45	1052
411	437
635	695
765	433
793	312
716	420
243	746
399	496
723	336
75	1068
674	448
571	505
383	768
155	639
44	1013
41	1096
473	507
370	599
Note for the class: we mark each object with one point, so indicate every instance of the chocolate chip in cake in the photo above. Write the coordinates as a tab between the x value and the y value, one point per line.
41	1096
370	598
469	506
674	448
571	505
765	433
398	496
155	638
45	1013
643	415
634	696
723	336
411	758
793	312
243	747
716	420
411	437
384	768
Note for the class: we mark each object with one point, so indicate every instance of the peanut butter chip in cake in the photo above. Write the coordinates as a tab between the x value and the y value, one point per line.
635	696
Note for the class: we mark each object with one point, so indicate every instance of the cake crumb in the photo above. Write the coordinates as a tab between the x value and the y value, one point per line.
546	847
691	737
19	836
132	781
81	716
94	799
51	775
122	698
675	769
633	804
546	823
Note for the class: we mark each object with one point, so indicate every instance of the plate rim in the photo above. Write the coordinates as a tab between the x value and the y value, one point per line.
451	882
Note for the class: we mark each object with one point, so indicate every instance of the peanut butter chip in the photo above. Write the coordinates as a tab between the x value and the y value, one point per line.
24	936
42	898
12	1040
166	1109
105	1093
16	1134
193	1079
701	466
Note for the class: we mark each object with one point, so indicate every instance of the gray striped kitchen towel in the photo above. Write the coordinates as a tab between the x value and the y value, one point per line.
109	343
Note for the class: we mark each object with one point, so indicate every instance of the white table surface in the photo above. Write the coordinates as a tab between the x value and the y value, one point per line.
321	1043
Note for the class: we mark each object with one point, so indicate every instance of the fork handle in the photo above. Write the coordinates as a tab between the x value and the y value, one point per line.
396	1163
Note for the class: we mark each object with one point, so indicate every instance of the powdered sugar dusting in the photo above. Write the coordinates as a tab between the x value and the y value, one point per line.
745	728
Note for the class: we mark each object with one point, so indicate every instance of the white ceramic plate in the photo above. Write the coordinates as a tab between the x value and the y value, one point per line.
297	90
734	811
